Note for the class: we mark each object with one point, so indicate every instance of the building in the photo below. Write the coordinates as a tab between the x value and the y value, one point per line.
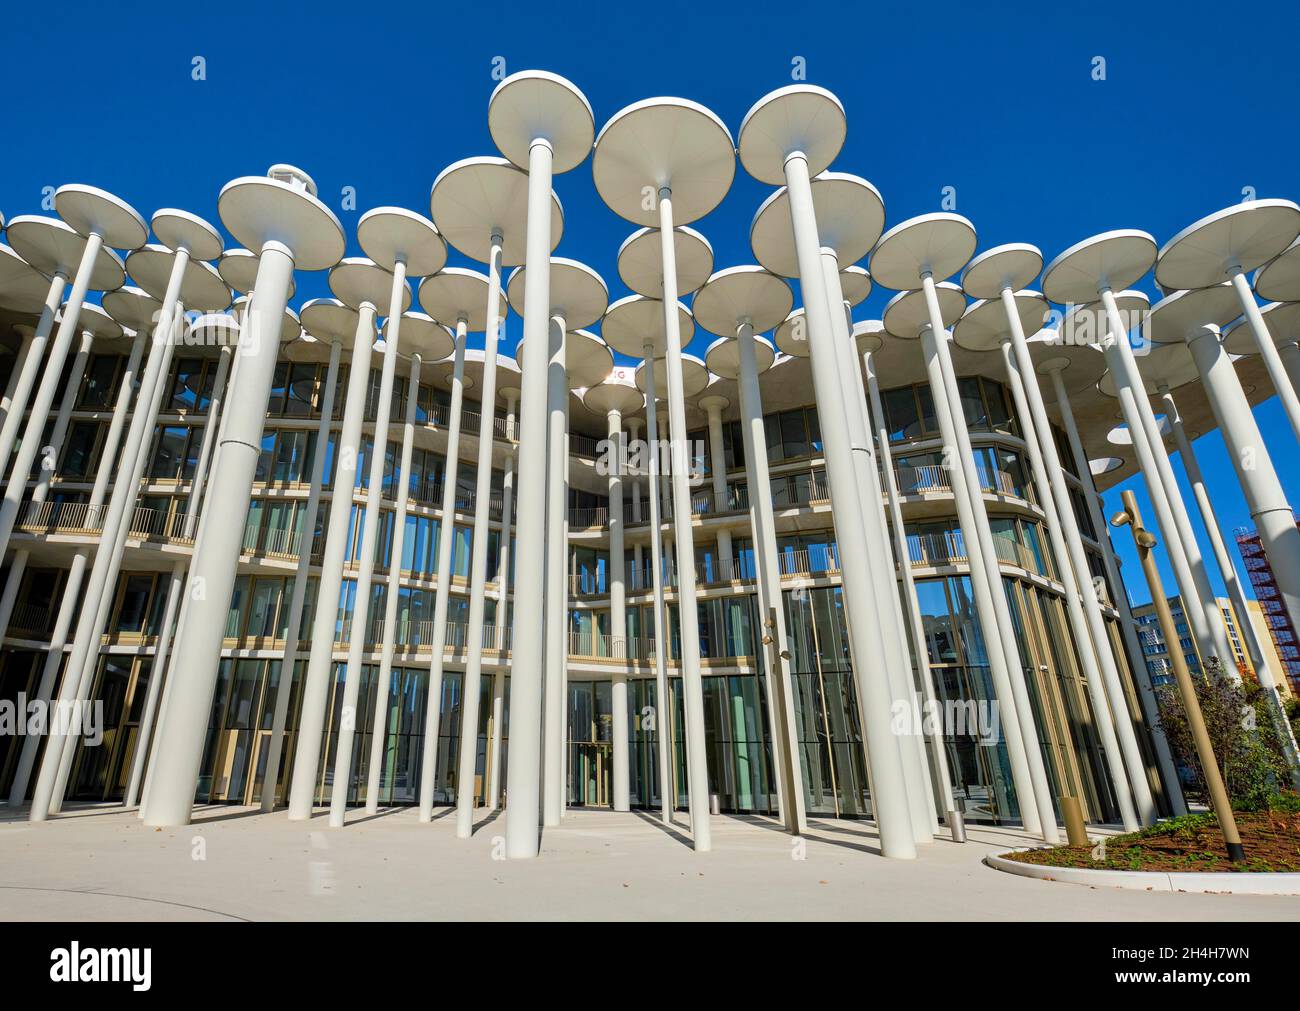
1276	617
1156	651
298	558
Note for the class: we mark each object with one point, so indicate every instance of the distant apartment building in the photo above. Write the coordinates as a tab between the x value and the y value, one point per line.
1281	629
1156	651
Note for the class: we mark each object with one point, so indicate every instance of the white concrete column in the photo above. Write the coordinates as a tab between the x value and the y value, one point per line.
298	598
786	757
51	373
104	572
446	530
1198	597
33	363
318	680
379	724
1282	385
1002	667
555	723
1083	610
988	565
360	631
523	783
15	373
503	617
70	597
1254	466
618	613
113	537
916	771
718	472
1137	662
49	460
697	772
939	756
663	698
465	765
163	661
1228	572
862	609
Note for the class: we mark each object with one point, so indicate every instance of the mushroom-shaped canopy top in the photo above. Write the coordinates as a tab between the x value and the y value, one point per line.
1112	260
791	335
797	118
176	229
616	392
290	323
578	294
90	210
1183	313
1080	366
357	280
424	336
723	357
259	209
473	198
587	358
1279	279
1090	324
663	143
201	287
456	293
1013	266
238	268
1282	319
635	323
855	284
392	235
219	329
52	246
850	217
1244	236
135	309
869	335
1164	365
536	105
95	321
23	288
641	264
738	294
906	314
984	324
695	377
329	320
938	244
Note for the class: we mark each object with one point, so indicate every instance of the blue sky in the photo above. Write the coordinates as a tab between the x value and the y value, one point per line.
1199	101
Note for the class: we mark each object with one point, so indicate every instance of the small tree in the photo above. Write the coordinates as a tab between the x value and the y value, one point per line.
1245	743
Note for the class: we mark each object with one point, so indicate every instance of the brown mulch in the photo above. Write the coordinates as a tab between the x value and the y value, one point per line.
1193	843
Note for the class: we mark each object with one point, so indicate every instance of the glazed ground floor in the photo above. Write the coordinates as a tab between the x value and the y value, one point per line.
741	777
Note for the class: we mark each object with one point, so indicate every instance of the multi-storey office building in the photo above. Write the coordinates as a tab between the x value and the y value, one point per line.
1156	651
740	767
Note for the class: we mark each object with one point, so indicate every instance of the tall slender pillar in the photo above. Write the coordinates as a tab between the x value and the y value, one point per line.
502	637
306	543
318	679
1228	573
392	596
466	765
442	595
76	571
308	237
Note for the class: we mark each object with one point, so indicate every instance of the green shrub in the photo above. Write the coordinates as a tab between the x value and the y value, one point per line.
1241	730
